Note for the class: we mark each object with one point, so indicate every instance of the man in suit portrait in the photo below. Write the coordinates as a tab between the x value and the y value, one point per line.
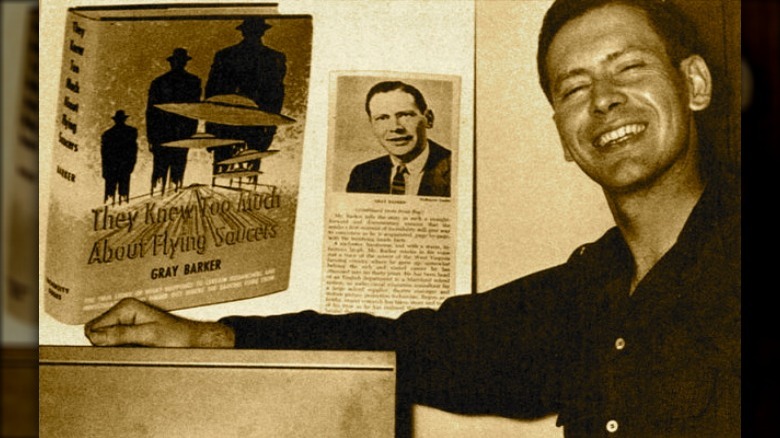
414	164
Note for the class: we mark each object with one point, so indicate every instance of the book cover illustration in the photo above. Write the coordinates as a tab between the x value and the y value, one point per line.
177	159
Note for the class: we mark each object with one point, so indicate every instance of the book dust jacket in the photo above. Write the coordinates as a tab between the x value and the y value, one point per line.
177	158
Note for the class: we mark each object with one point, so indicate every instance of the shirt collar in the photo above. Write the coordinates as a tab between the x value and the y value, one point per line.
416	166
714	212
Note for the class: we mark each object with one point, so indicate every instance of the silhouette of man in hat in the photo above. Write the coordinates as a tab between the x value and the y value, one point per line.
254	70
118	152
175	86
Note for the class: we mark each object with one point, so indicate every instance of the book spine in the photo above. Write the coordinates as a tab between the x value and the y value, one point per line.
62	282
21	240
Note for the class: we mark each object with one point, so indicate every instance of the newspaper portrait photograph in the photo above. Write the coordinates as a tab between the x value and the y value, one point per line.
391	211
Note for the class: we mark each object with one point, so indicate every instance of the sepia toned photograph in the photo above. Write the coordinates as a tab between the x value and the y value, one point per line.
394	142
512	218
391	120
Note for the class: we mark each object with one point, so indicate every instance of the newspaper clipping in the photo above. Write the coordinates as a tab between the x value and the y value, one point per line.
390	213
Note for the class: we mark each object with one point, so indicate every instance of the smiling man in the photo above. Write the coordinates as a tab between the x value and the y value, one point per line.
624	112
415	165
638	333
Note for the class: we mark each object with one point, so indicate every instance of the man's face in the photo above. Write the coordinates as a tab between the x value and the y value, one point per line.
622	110
399	125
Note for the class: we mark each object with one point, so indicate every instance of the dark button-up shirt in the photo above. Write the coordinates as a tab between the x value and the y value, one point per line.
662	362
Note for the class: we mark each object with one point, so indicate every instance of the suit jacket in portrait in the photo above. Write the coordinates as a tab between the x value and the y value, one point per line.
374	176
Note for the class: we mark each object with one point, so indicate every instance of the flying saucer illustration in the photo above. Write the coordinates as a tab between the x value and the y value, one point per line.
247	155
202	141
227	109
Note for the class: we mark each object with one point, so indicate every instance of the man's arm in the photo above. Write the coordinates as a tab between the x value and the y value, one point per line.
133	322
498	352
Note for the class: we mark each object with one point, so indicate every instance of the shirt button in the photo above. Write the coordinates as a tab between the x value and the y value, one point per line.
612	426
620	343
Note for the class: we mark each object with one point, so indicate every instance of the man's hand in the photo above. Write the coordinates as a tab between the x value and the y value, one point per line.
133	322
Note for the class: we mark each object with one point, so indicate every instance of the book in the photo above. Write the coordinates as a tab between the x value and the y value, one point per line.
177	155
20	173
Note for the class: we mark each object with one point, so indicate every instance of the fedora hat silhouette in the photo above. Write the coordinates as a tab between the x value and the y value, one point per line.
179	53
120	116
254	24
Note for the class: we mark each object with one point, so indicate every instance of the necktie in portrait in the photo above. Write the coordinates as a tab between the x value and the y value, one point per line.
399	180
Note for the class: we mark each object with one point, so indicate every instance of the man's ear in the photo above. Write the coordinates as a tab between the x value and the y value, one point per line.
429	118
698	80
